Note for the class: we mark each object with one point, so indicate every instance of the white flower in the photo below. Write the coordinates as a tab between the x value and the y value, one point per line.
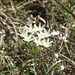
55	32
47	43
61	67
41	35
40	28
37	41
56	55
31	29
22	31
27	37
47	33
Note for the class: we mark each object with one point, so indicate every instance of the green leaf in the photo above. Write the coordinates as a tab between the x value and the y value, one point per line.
49	69
72	54
3	72
36	63
42	66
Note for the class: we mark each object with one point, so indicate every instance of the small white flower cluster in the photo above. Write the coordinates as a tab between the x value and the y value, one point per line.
38	34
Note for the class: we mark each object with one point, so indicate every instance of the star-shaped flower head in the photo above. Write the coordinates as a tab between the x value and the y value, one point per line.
40	28
22	31
41	35
47	43
37	41
47	33
27	37
31	29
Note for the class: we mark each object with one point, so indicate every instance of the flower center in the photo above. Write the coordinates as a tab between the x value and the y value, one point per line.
31	31
38	43
47	35
26	39
39	29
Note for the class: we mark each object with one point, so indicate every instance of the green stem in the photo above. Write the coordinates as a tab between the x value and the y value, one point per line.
36	63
